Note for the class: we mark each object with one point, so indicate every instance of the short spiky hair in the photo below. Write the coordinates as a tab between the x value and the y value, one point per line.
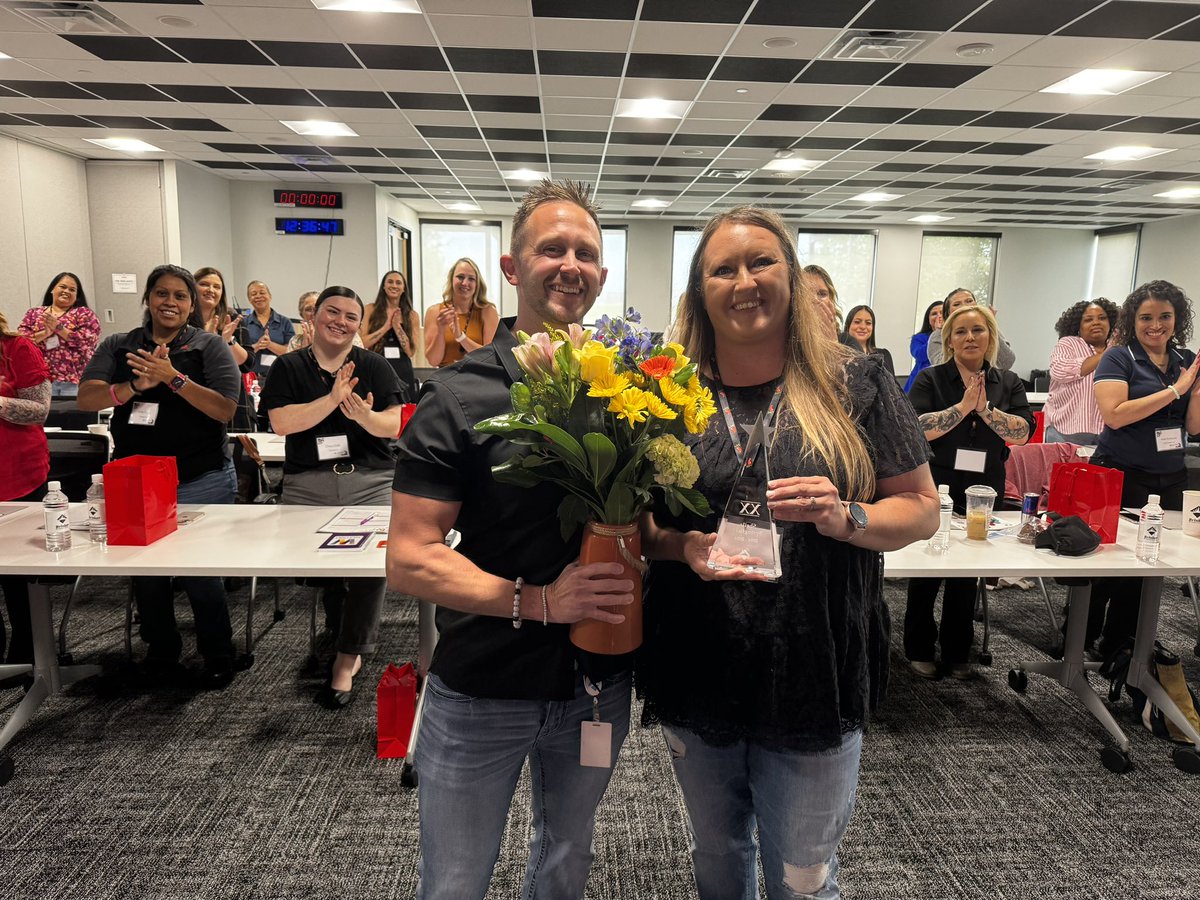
547	191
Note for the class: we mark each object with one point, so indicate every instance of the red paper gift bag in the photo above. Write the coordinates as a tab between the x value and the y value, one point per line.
406	412
140	499
1091	492
396	707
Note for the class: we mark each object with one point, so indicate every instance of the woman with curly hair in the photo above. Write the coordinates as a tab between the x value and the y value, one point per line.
65	329
1084	332
1146	390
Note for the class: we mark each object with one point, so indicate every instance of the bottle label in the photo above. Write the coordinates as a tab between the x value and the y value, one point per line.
96	512
57	520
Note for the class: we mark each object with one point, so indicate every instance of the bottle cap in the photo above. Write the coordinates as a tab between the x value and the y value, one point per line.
1152	500
53	486
943	488
98	478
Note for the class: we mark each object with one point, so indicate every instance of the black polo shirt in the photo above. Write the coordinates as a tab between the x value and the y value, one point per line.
1134	446
297	377
506	530
180	430
940	387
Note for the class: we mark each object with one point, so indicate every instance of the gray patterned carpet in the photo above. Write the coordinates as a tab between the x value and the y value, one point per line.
968	790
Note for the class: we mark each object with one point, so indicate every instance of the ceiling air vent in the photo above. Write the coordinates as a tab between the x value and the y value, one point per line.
876	46
728	174
1126	183
62	17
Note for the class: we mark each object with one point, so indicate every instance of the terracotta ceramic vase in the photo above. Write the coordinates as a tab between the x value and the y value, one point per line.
620	544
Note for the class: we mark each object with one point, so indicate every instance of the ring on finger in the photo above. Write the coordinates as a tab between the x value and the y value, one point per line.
812	501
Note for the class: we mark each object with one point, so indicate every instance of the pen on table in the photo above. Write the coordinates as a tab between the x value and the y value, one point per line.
367	519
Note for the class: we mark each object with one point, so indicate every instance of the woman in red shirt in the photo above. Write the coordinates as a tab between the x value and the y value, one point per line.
24	404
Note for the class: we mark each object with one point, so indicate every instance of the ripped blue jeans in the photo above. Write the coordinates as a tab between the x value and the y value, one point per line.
800	802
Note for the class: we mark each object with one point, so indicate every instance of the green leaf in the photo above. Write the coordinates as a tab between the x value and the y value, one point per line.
692	499
620	506
509	474
520	396
602	456
673	503
560	441
572	513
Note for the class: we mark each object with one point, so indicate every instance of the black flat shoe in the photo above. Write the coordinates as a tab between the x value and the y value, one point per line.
331	699
215	679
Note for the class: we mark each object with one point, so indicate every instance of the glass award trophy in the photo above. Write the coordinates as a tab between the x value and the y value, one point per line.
746	537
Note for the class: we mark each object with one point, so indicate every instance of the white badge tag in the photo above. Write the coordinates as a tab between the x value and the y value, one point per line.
595	744
391	352
143	413
970	460
333	446
1168	439
51	342
265	360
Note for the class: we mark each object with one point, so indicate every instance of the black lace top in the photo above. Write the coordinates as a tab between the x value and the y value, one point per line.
794	664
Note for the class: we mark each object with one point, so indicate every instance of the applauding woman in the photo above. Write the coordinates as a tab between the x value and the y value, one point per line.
268	331
66	331
390	327
1084	331
918	346
174	387
970	410
464	321
860	328
770	743
339	406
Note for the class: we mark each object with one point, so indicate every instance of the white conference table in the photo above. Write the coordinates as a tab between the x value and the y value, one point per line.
1037	398
1004	555
247	540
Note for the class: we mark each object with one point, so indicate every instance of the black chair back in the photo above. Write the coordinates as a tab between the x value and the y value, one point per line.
75	456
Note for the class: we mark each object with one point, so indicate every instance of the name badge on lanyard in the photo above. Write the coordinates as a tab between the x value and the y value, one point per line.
265	360
333	446
970	460
390	352
51	343
143	413
1168	439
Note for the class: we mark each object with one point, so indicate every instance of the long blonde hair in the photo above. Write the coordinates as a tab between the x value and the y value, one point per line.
4	331
989	319
480	300
815	394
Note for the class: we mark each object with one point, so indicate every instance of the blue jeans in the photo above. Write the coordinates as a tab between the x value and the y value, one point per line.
210	608
1084	438
468	758
801	803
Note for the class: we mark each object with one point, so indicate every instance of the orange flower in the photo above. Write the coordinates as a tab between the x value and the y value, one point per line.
658	366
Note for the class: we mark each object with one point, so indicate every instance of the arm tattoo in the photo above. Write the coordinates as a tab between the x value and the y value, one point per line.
941	421
30	406
1012	428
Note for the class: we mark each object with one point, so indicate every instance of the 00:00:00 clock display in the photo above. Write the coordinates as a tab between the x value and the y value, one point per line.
309	199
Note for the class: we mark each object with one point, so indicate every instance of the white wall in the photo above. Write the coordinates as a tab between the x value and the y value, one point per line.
205	232
44	224
1168	250
129	234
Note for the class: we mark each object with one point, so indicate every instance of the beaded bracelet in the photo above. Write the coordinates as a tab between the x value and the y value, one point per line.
545	605
517	601
1174	390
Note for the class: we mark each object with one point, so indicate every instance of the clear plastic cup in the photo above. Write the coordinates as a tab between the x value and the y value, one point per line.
980	500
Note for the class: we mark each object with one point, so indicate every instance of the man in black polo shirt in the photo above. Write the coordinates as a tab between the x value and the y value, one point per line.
505	684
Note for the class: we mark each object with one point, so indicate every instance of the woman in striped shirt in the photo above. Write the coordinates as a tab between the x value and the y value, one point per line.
1072	415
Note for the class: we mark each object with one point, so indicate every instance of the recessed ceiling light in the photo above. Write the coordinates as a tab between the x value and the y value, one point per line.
650	203
525	175
1181	193
463	207
124	145
778	43
1127	153
378	6
1105	82
476	222
320	128
693	152
652	108
967	51
176	22
742	91
877	197
5	56
929	219
791	164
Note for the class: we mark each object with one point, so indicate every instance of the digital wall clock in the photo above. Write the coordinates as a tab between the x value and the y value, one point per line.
309	199
310	226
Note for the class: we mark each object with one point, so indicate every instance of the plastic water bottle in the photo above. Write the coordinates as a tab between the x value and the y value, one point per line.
255	391
940	542
58	518
97	520
1149	530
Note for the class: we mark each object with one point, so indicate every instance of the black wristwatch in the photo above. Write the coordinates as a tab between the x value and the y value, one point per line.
176	384
858	518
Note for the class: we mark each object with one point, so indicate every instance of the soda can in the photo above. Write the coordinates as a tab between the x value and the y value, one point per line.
1029	504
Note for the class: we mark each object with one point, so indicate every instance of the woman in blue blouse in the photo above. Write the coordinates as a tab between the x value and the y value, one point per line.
919	345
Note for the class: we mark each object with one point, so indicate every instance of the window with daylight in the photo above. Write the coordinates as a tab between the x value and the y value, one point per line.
443	243
950	261
848	257
1114	267
611	301
683	247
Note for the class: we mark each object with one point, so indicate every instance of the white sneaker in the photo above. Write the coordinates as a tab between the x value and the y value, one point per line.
924	668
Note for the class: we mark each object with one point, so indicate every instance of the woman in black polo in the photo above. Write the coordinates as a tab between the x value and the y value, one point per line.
339	406
970	411
1146	390
174	387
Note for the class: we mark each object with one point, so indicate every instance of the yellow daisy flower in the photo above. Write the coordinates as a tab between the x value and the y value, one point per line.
674	393
658	409
630	405
607	384
697	413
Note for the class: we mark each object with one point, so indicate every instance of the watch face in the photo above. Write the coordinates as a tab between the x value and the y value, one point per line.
858	515
177	382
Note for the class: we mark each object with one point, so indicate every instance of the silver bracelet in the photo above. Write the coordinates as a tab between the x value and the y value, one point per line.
517	601
545	605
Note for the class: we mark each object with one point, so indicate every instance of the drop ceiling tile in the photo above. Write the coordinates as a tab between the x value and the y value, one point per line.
468	59
589	63
1070	52
48	90
502	32
1128	19
218	51
406	57
122	91
667	65
565	34
122	47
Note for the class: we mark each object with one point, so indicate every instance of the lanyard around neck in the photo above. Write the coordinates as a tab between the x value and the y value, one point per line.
731	425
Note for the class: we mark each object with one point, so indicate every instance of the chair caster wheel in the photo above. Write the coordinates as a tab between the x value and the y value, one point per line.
985	658
7	768
279	615
1018	680
1186	759
1116	760
66	659
408	775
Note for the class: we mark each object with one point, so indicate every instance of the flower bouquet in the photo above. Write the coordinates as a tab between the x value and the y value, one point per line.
602	416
